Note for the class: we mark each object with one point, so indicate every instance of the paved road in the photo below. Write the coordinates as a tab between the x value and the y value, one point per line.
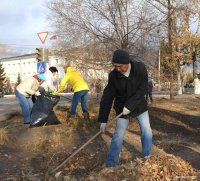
10	106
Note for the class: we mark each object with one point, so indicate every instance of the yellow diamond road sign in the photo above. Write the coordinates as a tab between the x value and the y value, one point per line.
42	36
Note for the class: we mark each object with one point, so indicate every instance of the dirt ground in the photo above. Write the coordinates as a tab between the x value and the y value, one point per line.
32	153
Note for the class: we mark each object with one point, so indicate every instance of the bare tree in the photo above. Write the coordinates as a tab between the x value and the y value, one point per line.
180	16
106	24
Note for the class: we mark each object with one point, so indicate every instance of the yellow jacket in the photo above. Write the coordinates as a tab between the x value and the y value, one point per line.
74	79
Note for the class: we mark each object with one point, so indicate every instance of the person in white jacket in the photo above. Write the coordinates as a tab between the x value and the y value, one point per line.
24	92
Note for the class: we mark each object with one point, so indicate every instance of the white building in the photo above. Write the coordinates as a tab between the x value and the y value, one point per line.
26	66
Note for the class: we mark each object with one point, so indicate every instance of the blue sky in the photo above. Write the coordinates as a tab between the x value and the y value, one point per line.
20	21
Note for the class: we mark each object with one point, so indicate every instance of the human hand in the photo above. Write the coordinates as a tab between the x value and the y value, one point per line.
103	127
56	93
38	93
125	111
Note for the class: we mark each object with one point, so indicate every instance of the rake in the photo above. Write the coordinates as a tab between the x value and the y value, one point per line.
77	151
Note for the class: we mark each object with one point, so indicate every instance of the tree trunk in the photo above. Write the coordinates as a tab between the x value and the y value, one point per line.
159	86
170	32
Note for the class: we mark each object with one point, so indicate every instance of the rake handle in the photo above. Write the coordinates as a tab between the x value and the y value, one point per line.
77	151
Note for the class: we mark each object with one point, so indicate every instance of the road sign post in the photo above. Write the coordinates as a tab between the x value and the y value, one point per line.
42	54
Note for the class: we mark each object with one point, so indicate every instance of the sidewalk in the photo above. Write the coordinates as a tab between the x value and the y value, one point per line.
8	107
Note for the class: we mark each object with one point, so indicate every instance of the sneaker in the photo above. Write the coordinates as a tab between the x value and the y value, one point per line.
146	158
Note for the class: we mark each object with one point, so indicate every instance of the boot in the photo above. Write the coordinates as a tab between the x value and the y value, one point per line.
69	116
151	99
86	116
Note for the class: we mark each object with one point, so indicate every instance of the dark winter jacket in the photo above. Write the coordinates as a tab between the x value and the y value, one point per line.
125	91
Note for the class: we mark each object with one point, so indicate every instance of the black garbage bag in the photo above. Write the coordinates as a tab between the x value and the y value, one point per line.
42	112
41	90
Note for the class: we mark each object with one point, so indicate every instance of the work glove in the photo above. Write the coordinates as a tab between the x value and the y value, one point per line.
38	93
103	127
56	93
125	111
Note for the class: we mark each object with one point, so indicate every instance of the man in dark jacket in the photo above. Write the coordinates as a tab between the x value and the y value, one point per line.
127	86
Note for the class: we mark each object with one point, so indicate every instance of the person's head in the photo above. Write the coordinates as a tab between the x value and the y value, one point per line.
53	70
121	60
41	78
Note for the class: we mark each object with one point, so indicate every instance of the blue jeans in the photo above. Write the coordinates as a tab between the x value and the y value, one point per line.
117	139
26	105
79	96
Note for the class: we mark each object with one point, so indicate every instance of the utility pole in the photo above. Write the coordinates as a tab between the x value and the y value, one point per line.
43	53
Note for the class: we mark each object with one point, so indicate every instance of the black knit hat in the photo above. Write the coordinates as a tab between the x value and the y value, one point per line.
121	57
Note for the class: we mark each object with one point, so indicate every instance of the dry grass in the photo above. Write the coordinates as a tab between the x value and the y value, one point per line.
3	136
58	136
61	133
40	144
78	121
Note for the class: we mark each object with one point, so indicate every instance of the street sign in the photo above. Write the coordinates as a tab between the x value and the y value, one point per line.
41	67
42	36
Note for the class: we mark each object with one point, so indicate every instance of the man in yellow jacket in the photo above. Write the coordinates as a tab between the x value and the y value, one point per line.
79	87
